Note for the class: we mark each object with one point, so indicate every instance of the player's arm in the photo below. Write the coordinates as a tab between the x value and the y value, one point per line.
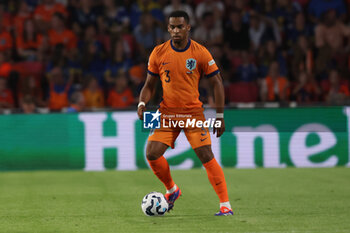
219	97
146	94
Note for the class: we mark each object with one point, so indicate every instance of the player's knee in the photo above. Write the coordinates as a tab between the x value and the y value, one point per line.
206	157
204	153
155	149
151	155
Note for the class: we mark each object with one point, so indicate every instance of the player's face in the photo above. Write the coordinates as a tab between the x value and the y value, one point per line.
178	29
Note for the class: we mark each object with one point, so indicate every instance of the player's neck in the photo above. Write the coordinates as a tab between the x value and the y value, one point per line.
181	45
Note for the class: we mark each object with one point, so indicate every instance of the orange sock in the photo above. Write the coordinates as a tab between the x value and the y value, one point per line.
217	179
161	169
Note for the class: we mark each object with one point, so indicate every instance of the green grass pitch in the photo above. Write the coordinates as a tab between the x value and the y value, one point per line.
264	200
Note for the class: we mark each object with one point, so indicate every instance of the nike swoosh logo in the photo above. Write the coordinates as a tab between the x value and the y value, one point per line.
202	139
164	63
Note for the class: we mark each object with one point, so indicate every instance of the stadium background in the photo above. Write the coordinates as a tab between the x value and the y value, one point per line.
54	54
65	64
70	76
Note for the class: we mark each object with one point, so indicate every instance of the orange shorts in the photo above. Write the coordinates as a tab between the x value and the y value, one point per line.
197	137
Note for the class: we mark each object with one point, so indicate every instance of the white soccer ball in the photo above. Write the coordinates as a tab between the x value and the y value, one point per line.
154	204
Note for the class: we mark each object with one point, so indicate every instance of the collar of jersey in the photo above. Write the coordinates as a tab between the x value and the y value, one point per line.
180	50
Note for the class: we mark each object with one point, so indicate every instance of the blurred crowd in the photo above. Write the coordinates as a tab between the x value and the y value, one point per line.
77	55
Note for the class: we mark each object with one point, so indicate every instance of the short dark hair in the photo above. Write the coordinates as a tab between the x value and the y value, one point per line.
179	14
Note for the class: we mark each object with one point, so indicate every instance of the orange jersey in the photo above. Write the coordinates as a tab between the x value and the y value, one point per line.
6	97
180	72
120	100
45	13
5	41
94	99
5	69
67	37
57	100
282	83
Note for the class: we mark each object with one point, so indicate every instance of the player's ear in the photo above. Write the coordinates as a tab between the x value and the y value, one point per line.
168	28
188	27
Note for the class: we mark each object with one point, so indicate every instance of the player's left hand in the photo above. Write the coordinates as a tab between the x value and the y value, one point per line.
220	130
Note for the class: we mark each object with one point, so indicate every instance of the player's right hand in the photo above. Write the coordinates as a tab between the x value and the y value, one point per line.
220	130
140	111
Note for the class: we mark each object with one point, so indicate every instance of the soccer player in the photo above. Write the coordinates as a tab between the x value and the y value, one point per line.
179	63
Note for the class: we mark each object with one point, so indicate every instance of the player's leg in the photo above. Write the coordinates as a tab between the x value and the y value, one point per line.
201	144
159	165
156	147
216	177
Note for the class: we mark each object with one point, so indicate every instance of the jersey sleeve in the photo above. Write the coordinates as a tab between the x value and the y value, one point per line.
209	66
153	64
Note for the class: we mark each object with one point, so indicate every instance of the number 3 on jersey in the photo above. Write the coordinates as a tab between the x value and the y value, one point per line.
167	79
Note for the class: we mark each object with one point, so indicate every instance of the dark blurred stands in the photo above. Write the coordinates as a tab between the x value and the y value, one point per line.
289	52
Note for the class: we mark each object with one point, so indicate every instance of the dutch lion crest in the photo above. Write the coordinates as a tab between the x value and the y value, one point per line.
191	64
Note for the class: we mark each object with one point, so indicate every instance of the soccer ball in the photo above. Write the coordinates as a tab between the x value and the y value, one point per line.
154	204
